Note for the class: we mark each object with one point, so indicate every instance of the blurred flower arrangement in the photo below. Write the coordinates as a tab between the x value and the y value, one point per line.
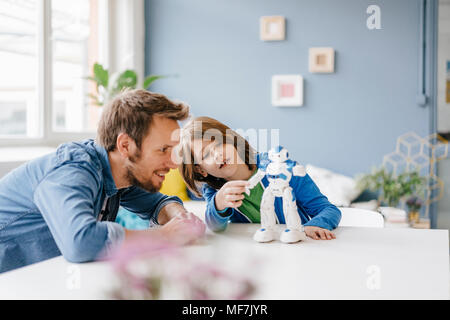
414	203
150	269
392	188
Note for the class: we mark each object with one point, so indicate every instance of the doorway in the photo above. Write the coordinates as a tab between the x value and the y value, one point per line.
443	108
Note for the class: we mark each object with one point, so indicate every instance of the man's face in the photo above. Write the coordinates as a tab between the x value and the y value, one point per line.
146	167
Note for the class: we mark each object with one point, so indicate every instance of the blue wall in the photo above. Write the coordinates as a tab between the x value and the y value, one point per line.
349	120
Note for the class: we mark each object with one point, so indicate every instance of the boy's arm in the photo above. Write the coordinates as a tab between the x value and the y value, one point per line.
215	220
324	214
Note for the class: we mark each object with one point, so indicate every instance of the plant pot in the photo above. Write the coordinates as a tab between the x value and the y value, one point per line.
414	217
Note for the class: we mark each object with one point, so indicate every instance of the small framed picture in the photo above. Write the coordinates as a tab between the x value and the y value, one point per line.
287	90
321	60
272	28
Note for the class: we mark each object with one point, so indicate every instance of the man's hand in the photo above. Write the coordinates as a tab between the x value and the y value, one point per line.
170	211
178	225
183	229
319	233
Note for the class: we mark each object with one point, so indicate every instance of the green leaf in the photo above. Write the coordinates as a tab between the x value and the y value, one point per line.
101	75
95	98
127	79
150	79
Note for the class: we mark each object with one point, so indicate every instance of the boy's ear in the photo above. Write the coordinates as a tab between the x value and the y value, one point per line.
199	170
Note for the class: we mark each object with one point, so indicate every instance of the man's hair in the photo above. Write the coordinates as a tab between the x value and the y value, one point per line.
131	112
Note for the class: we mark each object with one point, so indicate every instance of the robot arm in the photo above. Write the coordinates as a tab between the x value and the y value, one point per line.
299	170
295	168
253	181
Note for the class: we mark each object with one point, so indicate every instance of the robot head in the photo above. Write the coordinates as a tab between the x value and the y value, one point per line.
278	154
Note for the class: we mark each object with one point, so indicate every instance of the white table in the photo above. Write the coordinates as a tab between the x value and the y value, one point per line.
362	263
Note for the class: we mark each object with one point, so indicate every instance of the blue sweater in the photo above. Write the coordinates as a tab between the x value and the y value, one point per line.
312	206
50	206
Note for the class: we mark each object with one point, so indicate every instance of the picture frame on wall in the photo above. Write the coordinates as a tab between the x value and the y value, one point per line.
321	60
272	28
287	90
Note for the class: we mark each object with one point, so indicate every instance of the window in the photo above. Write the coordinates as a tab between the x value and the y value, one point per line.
19	66
74	37
47	49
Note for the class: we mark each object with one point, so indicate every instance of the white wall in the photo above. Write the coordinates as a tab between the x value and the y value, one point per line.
11	158
443	57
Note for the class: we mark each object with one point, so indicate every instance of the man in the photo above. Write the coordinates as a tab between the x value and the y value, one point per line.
66	202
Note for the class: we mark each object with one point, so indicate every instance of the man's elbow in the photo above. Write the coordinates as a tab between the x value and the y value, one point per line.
80	250
78	254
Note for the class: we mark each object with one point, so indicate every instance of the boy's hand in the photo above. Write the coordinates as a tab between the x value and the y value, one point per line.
319	233
231	194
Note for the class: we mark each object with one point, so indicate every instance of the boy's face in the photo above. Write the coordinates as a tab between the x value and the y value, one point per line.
217	159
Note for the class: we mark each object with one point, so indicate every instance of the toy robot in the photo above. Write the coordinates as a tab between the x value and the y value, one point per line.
279	170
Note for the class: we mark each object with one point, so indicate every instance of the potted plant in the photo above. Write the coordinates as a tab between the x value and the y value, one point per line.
108	85
392	188
414	204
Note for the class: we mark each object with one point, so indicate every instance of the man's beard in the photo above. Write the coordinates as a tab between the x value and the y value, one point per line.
132	177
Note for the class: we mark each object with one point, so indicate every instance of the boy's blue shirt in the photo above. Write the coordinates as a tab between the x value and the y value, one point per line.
312	206
49	206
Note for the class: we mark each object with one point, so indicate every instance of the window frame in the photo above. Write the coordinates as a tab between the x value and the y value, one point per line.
47	135
121	48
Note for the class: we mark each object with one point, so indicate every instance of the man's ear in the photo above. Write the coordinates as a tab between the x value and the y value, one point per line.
199	170
125	145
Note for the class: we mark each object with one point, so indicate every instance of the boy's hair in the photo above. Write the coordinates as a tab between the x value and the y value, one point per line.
131	112
210	129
